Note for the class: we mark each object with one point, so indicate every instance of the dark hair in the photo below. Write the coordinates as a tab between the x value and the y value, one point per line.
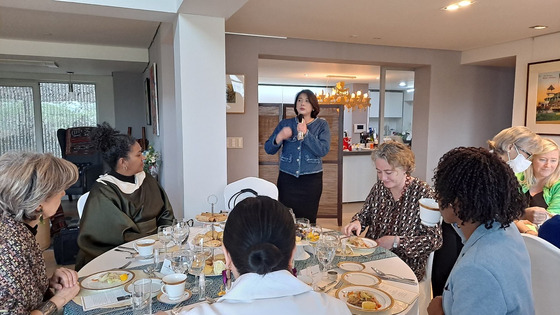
112	144
312	99
479	186
260	235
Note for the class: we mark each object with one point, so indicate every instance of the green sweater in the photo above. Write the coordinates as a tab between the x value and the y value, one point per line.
551	195
112	217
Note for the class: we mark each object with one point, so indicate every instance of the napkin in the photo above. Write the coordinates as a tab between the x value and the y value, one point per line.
166	268
104	298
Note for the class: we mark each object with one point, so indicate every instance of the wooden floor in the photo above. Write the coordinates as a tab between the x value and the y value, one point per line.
348	210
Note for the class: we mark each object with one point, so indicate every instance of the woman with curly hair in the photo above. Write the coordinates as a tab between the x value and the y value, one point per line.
124	204
479	195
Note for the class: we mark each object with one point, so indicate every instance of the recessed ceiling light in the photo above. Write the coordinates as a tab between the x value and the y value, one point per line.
539	27
402	83
457	5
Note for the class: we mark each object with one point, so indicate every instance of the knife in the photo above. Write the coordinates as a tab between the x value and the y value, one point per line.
406	281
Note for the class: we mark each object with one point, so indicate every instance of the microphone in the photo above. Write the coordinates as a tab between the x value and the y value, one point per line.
300	134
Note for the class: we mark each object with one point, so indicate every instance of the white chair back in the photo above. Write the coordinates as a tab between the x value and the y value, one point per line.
82	203
545	274
425	287
233	194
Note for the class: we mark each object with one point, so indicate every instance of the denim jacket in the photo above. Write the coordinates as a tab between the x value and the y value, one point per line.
301	157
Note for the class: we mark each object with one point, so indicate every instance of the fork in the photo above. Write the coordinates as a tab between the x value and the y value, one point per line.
125	265
337	286
383	274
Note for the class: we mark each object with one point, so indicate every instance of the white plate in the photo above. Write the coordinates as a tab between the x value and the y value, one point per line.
369	242
92	282
360	278
351	266
163	298
156	287
382	297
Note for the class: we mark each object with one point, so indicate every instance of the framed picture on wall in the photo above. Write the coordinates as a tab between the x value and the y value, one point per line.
235	94
543	97
148	101
154	109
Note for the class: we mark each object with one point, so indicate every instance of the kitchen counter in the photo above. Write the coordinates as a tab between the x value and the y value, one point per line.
358	152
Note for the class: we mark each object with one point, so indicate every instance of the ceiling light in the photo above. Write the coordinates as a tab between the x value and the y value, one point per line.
34	63
341	76
410	90
402	84
539	27
457	5
341	95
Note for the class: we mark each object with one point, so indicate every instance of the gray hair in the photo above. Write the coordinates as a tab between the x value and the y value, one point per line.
27	179
520	136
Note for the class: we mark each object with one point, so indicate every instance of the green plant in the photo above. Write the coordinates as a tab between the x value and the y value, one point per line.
152	158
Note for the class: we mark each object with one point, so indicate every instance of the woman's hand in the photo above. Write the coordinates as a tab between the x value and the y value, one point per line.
436	306
64	295
537	215
353	226
63	278
386	241
302	127
284	134
524	226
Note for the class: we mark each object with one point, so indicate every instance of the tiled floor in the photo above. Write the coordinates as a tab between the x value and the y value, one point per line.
348	210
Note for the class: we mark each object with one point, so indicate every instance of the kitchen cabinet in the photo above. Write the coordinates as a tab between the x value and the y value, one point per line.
359	175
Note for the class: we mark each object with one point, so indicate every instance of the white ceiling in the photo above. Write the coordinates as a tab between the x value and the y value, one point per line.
404	23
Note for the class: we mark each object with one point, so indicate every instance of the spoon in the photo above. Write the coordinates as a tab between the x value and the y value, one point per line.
383	274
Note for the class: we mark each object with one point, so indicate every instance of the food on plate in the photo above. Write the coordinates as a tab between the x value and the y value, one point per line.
210	239
358	242
301	231
363	299
111	277
214	267
209	217
313	236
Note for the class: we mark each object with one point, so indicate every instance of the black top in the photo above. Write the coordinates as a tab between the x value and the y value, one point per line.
128	179
537	200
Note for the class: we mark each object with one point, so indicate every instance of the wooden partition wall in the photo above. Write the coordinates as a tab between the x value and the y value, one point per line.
330	205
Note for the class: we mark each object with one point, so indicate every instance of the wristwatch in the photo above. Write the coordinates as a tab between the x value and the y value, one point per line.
48	308
396	242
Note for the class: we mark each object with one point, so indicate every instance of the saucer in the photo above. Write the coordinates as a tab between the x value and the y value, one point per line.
163	298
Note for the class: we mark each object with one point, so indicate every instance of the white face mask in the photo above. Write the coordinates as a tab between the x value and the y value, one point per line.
520	163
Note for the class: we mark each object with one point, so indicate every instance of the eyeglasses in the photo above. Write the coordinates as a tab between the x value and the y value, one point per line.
527	153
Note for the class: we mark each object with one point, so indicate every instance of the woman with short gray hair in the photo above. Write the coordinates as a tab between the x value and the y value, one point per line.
31	187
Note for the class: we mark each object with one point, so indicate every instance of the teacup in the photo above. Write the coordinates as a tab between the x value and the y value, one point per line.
145	248
174	285
429	212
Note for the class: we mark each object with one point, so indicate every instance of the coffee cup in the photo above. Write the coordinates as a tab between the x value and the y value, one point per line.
429	212
174	285
145	248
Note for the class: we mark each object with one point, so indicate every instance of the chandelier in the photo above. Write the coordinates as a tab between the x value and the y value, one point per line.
341	95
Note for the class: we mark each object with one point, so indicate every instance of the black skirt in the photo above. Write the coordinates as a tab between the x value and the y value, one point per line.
302	194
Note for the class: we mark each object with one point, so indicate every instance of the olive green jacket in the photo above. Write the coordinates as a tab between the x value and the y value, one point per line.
117	212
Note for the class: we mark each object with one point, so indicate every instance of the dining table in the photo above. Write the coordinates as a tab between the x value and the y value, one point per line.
380	258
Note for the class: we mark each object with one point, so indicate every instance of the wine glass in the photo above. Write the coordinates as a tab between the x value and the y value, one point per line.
181	261
325	250
200	256
181	231
165	234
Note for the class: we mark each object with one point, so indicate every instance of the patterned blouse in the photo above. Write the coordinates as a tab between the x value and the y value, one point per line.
383	215
23	276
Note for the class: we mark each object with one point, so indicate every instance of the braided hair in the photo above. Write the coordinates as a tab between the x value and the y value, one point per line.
479	186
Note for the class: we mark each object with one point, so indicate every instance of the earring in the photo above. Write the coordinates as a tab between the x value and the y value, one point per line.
40	210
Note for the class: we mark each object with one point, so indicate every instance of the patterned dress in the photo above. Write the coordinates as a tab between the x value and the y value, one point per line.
23	276
383	215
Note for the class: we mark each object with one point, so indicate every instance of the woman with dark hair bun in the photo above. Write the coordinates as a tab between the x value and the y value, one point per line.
259	245
479	195
123	205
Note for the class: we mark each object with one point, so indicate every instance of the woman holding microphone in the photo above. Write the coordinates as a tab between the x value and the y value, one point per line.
304	140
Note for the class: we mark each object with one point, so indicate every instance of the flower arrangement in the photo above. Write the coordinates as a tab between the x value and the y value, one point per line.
152	159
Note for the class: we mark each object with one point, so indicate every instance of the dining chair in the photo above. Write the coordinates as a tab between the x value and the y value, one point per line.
425	286
545	274
248	187
81	203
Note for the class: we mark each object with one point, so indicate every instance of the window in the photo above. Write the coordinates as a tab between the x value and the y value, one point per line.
30	123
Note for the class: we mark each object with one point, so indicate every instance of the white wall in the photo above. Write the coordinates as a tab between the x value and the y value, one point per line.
542	48
454	104
130	104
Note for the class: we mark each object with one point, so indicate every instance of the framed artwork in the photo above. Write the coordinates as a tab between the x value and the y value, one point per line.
543	97
235	93
154	108
148	101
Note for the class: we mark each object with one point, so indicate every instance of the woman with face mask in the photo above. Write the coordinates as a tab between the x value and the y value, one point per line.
541	185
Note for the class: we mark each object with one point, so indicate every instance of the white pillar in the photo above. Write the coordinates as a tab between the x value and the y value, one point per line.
199	45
